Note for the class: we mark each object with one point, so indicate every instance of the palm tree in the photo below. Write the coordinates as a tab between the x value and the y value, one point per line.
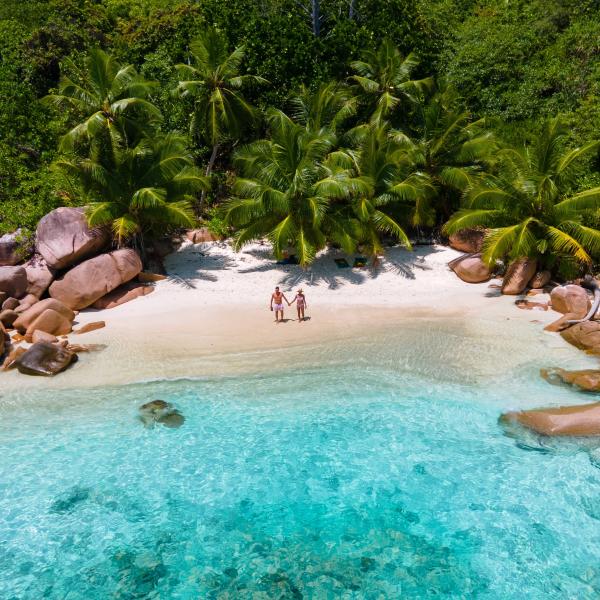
111	100
278	193
326	108
450	148
141	190
214	81
530	208
380	189
384	80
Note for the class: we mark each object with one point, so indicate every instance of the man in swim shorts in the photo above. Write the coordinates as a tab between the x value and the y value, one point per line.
277	299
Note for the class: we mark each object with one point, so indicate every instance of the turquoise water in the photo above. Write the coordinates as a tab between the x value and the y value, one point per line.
354	480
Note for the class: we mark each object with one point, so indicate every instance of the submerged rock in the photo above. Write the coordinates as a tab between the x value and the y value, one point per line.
159	411
70	500
585	379
581	420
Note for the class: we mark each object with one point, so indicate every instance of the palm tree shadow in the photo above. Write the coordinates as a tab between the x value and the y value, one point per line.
197	263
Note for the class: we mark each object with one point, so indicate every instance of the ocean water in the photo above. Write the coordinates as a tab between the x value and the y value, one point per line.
382	473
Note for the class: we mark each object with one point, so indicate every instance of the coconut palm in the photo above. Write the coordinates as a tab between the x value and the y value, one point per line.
111	99
451	148
214	81
381	189
328	107
142	190
529	207
384	80
277	195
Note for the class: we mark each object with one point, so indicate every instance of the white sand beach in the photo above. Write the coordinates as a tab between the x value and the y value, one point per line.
211	316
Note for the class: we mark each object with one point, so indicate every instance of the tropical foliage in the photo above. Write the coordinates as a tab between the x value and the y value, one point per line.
529	205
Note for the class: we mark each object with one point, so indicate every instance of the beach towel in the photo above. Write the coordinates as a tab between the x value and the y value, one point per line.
341	263
360	262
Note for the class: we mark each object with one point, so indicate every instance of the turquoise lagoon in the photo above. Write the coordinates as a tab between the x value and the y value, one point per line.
375	469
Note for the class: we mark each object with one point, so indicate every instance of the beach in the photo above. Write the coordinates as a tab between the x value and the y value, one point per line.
211	317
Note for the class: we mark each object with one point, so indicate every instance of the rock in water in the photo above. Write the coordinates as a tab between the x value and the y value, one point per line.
87	282
472	270
585	379
45	359
582	420
518	275
585	336
31	314
64	238
467	240
159	411
570	299
123	294
13	281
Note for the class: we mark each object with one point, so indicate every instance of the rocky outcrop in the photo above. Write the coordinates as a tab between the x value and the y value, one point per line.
26	303
25	320
4	340
540	279
585	336
10	304
51	322
91	327
201	235
42	336
581	420
13	281
63	238
585	379
472	269
87	282
518	275
570	299
467	240
45	359
39	275
531	305
13	249
123	294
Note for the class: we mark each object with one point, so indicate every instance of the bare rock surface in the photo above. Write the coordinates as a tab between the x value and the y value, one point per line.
13	249
30	315
87	282
10	304
39	275
45	359
518	275
585	379
50	321
12	356
472	270
42	336
90	327
540	279
63	237
13	281
585	336
467	240
572	299
8	317
123	294
201	235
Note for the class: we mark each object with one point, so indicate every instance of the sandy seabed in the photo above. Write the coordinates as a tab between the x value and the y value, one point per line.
211	318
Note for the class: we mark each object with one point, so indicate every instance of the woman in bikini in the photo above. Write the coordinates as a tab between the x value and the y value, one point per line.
301	304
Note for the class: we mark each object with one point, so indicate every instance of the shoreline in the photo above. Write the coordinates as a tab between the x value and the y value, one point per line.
211	317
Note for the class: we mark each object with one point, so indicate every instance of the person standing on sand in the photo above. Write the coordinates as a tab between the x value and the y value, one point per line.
277	299
301	304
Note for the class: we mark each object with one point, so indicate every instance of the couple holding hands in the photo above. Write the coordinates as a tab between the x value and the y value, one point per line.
277	298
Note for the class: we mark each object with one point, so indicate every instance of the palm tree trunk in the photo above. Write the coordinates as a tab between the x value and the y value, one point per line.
209	168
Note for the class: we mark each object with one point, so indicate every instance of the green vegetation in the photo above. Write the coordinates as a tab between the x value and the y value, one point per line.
345	122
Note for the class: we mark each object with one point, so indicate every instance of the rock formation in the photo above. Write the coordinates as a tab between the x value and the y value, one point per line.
45	359
585	379
90	280
518	275
471	269
13	281
467	240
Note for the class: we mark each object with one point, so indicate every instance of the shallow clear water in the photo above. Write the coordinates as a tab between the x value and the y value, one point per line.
383	475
